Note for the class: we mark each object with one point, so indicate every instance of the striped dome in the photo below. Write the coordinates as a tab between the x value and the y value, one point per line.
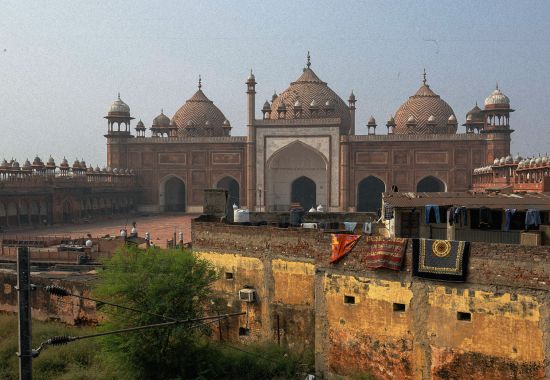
200	117
314	98
421	106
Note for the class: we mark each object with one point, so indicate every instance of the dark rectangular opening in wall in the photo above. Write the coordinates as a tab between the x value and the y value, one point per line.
461	316
243	331
399	307
349	299
228	275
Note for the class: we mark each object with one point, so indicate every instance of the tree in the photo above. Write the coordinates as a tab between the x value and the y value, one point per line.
166	282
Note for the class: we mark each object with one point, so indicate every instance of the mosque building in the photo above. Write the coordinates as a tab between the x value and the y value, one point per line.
305	149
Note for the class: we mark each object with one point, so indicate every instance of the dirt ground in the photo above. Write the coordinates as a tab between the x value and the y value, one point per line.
160	227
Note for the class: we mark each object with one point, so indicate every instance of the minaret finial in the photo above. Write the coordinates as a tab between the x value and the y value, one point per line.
308	64
200	82
424	77
119	95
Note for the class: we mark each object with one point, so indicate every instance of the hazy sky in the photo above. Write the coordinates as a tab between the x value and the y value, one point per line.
62	63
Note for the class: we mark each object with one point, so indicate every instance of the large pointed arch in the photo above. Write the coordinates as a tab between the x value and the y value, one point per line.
431	184
369	194
289	164
172	194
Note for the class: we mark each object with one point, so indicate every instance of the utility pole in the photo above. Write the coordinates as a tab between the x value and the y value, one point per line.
23	298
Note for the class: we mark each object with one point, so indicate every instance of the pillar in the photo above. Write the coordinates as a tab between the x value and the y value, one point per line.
251	144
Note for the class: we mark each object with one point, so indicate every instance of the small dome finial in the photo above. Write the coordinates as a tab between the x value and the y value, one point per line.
497	86
119	96
162	111
424	77
200	82
308	64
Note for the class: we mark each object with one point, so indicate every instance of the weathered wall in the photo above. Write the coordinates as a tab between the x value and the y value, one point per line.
279	312
44	306
398	326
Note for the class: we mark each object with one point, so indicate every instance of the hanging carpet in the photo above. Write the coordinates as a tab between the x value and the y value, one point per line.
384	253
445	260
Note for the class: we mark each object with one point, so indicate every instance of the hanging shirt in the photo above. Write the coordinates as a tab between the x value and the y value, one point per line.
509	212
532	218
350	226
435	209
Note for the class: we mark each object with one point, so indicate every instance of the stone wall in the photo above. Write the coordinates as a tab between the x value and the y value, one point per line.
44	306
389	324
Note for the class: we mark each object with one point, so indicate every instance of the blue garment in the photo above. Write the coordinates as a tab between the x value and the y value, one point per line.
428	209
508	213
532	218
350	226
461	216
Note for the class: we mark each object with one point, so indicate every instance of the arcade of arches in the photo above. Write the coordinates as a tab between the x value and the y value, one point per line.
33	210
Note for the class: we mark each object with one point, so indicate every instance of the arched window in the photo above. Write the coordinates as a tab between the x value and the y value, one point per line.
430	184
369	194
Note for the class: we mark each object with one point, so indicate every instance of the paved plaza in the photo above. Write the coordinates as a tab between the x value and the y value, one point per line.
160	227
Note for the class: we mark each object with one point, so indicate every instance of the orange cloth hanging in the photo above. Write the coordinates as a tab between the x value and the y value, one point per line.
342	244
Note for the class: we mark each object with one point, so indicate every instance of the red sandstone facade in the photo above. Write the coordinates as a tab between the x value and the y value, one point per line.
305	149
41	193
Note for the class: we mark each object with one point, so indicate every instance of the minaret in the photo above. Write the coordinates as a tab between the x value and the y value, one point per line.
351	103
251	143
497	125
118	131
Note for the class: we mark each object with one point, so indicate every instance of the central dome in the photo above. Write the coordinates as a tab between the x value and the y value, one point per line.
420	107
310	98
200	117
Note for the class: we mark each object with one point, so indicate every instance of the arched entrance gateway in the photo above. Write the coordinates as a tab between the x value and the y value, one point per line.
304	192
430	184
296	173
369	194
172	194
233	194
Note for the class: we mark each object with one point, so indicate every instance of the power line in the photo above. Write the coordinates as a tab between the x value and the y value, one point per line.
60	340
62	292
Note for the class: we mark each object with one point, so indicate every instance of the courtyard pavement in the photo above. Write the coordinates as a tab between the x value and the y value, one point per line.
160	227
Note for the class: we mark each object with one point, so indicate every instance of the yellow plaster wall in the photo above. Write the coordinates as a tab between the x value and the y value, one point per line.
373	309
499	326
294	282
247	271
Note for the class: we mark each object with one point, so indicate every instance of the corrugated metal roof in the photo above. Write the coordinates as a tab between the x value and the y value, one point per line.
539	201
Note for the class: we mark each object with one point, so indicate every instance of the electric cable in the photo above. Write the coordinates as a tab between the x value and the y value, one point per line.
62	292
64	339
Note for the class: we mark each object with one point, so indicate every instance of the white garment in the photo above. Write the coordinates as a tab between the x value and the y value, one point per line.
367	228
